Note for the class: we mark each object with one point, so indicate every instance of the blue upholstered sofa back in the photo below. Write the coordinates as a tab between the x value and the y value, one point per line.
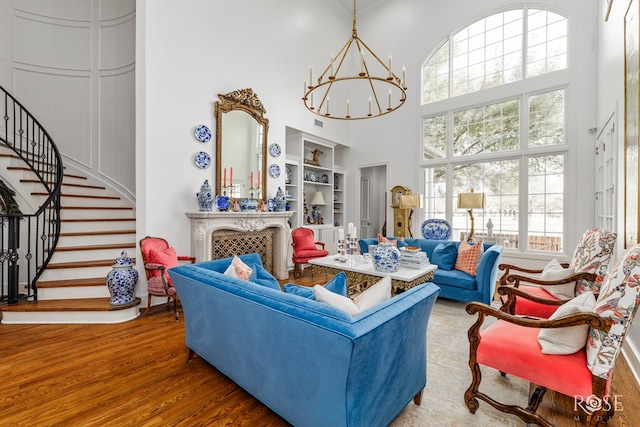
311	363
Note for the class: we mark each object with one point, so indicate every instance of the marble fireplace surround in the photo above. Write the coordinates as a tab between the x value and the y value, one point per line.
204	224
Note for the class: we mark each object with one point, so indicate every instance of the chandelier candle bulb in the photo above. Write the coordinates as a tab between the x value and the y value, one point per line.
369	105
348	107
390	68
312	101
363	71
404	76
310	77
332	73
304	90
389	99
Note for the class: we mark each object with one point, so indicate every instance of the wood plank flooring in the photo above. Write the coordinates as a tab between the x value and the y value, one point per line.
135	374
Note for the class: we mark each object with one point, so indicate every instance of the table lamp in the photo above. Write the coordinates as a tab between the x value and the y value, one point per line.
317	199
410	201
471	201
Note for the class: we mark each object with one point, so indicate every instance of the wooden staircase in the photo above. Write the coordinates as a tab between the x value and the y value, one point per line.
97	224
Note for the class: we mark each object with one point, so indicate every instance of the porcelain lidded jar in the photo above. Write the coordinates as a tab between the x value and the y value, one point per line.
121	280
386	258
280	200
205	197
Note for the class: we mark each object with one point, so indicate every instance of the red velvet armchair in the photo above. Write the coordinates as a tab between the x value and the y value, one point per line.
158	257
305	248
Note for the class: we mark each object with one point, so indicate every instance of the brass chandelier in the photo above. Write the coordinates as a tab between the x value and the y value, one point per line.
333	90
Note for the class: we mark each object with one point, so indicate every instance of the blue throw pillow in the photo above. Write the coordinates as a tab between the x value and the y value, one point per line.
337	285
262	277
444	256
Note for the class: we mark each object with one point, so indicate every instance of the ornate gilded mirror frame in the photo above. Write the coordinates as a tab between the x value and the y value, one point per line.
247	101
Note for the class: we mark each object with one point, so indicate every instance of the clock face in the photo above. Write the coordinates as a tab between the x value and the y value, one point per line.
396	192
396	197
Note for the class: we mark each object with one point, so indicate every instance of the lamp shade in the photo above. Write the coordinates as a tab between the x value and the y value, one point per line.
317	199
410	201
471	200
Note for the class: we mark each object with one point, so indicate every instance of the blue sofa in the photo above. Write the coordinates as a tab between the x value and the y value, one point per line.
311	363
455	284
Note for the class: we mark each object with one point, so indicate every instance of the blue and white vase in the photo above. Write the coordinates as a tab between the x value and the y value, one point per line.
121	280
280	200
386	258
247	205
205	197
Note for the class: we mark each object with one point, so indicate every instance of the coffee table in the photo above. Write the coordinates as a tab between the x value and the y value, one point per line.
361	274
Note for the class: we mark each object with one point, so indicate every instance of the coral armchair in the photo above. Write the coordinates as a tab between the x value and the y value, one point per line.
589	265
158	257
512	345
305	248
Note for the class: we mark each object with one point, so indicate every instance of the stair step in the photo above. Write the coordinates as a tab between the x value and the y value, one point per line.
79	304
96	247
87	224
64	175
89	252
82	196
97	233
64	184
83	264
82	208
75	311
90	281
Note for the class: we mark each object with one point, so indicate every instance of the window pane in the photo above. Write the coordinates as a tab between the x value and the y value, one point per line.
435	76
434	137
435	193
546	119
486	129
546	203
546	39
498	222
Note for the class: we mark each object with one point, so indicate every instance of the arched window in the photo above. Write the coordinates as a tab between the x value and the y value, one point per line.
494	109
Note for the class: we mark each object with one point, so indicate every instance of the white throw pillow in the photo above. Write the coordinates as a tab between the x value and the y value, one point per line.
571	339
373	296
553	272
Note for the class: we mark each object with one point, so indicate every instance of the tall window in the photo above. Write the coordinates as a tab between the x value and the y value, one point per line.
494	119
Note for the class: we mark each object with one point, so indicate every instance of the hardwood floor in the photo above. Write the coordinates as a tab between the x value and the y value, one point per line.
135	373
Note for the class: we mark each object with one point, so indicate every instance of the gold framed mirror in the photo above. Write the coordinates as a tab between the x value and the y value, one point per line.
241	145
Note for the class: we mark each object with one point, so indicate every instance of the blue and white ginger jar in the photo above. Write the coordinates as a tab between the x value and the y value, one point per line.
386	258
121	280
281	203
205	197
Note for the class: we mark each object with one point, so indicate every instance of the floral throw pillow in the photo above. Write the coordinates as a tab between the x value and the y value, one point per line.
468	257
592	255
618	300
238	269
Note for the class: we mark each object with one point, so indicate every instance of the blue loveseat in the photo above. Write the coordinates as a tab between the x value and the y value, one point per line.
455	284
312	364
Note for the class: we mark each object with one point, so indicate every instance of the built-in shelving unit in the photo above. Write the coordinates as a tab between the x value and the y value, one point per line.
310	167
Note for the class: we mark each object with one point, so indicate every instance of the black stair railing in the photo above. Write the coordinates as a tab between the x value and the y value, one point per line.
28	240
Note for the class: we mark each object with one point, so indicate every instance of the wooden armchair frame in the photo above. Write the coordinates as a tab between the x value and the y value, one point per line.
528	414
513	281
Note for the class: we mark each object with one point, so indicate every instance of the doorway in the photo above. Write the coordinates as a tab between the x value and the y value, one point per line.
373	200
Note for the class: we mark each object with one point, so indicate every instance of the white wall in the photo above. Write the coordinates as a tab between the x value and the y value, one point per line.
186	56
610	95
72	66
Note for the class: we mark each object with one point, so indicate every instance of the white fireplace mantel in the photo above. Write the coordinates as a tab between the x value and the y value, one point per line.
204	224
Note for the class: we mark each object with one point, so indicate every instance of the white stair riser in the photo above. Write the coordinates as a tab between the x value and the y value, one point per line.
73	292
93	239
74	273
73	227
86	201
70	317
88	255
93	213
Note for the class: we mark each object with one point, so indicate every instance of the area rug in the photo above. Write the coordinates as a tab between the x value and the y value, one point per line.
448	376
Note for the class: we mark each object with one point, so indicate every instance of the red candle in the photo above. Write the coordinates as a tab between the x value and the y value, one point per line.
231	176
225	177
251	178
258	179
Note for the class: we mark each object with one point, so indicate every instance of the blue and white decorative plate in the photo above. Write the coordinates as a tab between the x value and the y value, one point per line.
202	160
274	170
274	150
288	175
202	133
223	203
314	177
271	205
325	178
336	181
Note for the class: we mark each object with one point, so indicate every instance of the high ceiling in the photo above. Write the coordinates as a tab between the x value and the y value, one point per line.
362	5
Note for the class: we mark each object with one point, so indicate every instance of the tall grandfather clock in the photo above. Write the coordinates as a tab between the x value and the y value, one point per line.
400	216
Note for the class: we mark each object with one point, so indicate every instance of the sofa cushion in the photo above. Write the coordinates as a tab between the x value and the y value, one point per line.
238	269
338	285
371	297
444	255
455	278
395	241
571	339
468	257
262	277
